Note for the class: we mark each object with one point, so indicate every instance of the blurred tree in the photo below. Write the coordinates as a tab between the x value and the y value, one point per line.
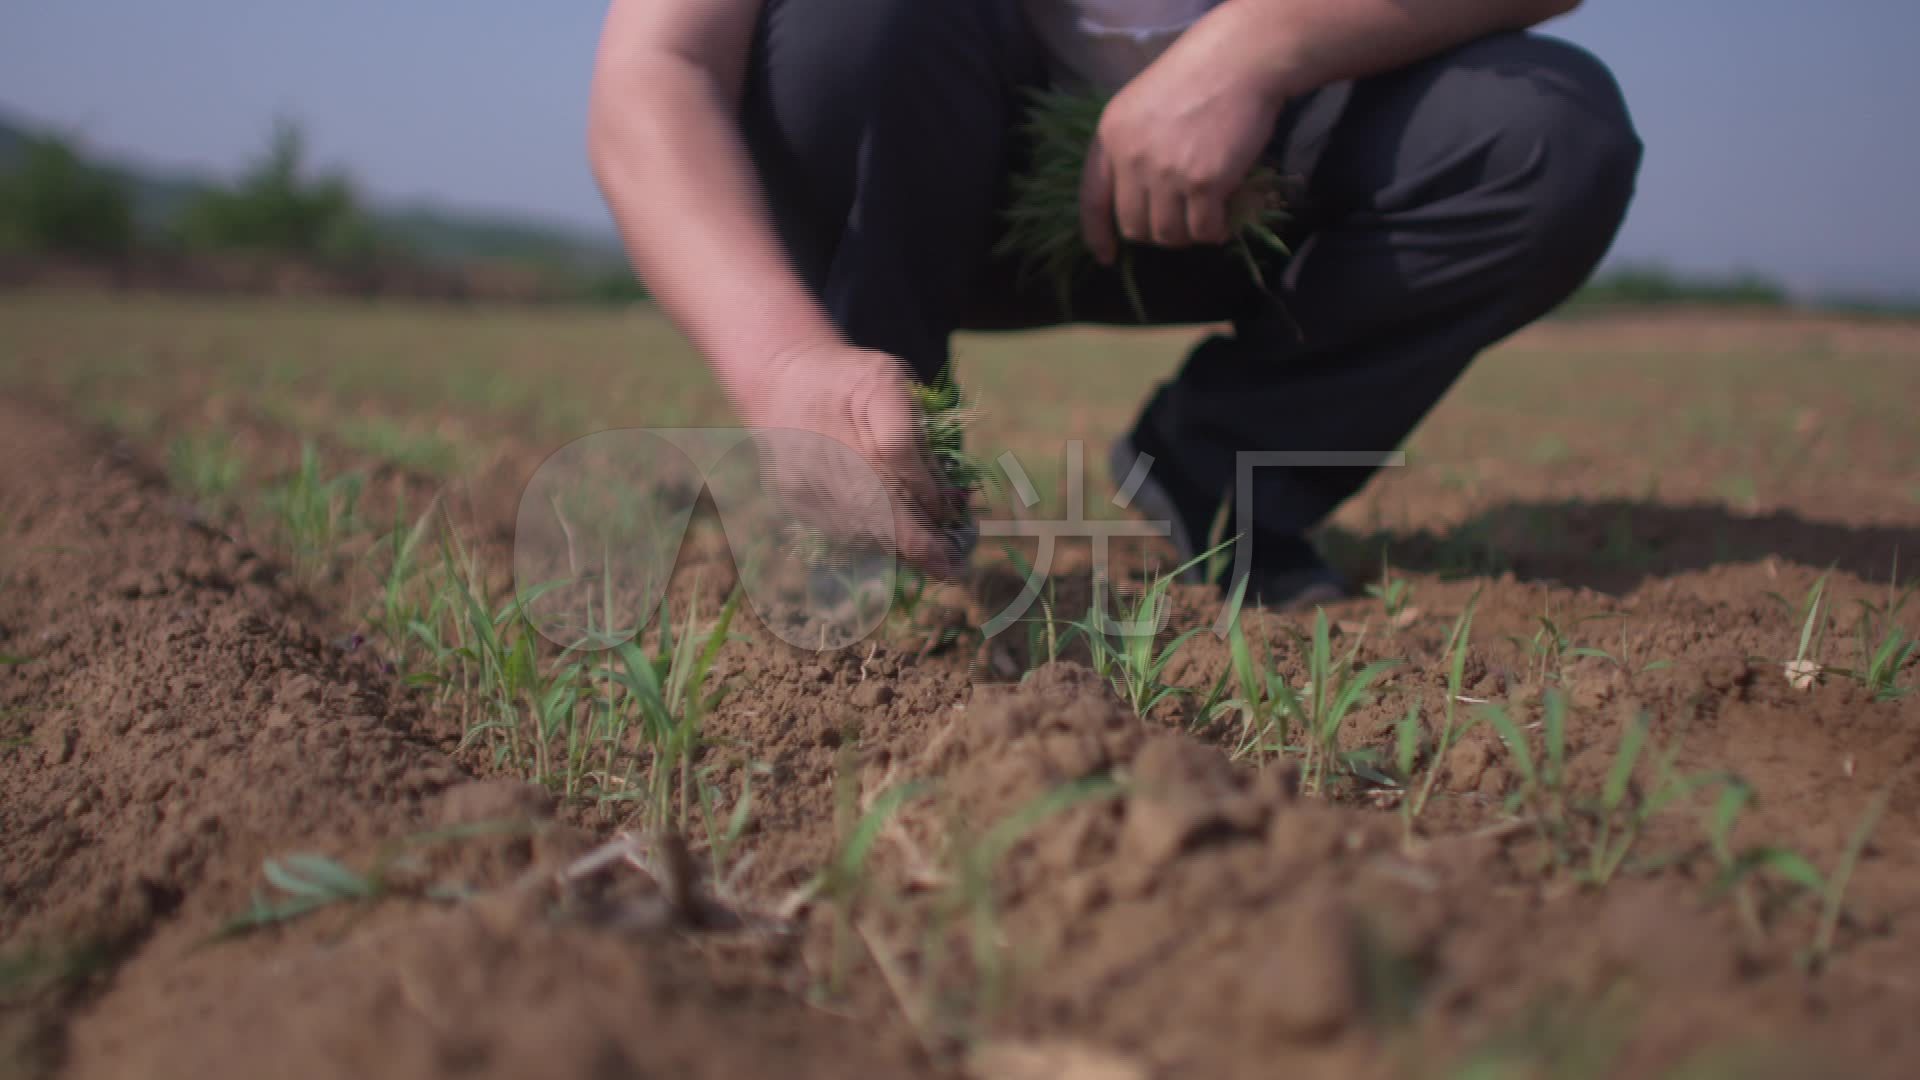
54	201
276	207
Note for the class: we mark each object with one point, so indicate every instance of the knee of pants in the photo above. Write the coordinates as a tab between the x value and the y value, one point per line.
1572	117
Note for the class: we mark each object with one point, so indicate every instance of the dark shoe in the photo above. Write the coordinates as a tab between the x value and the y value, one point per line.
1288	573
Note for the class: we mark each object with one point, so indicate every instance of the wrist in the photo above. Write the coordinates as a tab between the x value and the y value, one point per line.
756	372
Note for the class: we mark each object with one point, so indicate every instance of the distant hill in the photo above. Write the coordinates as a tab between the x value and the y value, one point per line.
432	233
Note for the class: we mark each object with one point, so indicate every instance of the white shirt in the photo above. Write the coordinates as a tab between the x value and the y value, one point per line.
1107	42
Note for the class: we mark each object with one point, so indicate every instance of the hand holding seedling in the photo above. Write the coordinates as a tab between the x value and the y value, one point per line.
1172	151
859	472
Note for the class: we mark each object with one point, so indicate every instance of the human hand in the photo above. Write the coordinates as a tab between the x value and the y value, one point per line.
1172	149
858	473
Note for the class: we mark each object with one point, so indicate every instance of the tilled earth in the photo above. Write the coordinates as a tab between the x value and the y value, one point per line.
184	712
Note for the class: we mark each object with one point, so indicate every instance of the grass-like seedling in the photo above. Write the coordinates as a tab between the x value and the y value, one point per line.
1126	650
1258	689
305	883
844	881
1043	219
1805	668
406	598
1408	736
314	511
1335	688
669	689
420	452
1885	648
1589	837
302	884
1742	873
1393	593
206	467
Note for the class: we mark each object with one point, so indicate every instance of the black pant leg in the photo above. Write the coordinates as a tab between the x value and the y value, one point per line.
880	130
1456	201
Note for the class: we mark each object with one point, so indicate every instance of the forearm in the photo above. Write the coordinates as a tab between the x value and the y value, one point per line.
1291	47
682	190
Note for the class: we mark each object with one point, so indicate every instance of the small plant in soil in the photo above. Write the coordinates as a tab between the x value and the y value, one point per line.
1335	687
302	884
966	971
1747	875
844	881
1407	737
314	512
386	441
1126	651
1805	668
1590	837
1393	593
406	602
1258	687
669	693
1885	648
205	467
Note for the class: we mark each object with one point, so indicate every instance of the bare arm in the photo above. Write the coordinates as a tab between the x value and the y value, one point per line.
1178	140
666	148
667	153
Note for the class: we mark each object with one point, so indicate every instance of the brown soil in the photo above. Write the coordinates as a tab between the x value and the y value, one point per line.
187	714
188	718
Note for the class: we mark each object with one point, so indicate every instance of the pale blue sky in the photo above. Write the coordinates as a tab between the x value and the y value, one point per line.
1779	132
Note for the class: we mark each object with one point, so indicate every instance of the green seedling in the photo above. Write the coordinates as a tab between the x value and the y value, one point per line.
405	599
1451	731
206	467
1044	635
1833	897
304	883
1334	690
1589	837
724	835
669	690
1258	687
1551	646
1043	219
968	900
387	441
1805	668
1885	647
314	512
1743	873
1393	593
844	881
1127	652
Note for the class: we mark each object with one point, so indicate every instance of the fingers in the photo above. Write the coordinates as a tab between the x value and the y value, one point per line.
1132	207
1097	206
1169	215
1207	219
893	427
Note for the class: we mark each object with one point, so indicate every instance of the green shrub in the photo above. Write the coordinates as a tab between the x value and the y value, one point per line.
54	201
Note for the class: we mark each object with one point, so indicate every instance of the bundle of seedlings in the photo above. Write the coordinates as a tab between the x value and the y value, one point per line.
1043	220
